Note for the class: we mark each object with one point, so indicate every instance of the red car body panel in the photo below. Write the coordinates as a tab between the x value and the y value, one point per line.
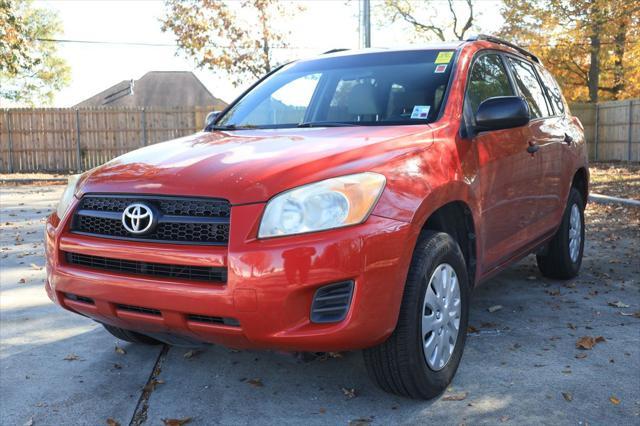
516	201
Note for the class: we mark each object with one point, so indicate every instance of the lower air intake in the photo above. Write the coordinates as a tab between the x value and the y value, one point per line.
331	302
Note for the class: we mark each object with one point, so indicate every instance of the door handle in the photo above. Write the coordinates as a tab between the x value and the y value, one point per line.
568	139
532	148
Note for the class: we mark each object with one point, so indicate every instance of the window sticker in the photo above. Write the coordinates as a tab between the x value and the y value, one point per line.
420	111
444	57
440	69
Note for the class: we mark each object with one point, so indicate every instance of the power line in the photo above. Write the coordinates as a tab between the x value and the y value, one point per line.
150	44
284	47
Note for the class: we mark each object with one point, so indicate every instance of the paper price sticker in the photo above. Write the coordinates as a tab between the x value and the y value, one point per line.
444	57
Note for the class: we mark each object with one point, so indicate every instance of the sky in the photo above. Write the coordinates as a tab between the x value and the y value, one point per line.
323	25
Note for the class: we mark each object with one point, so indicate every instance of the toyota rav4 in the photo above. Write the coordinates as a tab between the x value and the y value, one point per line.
350	201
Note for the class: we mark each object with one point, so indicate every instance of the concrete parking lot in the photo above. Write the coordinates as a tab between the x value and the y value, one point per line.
521	364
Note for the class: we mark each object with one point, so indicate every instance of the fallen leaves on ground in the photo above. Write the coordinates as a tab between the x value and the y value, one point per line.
111	422
176	422
614	400
460	396
494	308
350	393
71	357
256	383
618	304
119	350
568	396
588	342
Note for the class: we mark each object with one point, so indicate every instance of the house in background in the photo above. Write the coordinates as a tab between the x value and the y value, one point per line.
156	89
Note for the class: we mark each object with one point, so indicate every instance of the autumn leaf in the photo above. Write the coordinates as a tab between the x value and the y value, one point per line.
618	304
256	383
350	393
614	400
588	342
150	387
581	355
567	396
361	421
22	281
119	350
472	329
111	422
634	314
176	422
71	357
192	353
460	396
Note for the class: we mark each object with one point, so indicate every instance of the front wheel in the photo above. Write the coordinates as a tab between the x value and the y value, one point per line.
422	355
563	257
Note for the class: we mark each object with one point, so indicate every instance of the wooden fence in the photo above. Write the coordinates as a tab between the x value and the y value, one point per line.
65	140
612	129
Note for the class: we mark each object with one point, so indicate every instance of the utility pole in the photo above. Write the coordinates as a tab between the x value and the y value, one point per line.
365	23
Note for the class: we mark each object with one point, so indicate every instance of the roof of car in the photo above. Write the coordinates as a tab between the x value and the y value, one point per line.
450	45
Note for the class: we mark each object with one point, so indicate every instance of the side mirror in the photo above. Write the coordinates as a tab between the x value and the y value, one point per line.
502	112
211	118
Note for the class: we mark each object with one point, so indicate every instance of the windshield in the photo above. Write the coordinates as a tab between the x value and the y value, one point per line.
382	88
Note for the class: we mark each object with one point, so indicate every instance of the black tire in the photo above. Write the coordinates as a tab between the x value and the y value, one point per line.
398	365
556	262
131	336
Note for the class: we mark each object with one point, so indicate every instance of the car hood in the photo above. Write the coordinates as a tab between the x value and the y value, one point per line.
249	166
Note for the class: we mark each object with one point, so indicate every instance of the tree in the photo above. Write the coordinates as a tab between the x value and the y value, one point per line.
31	71
412	12
236	37
591	46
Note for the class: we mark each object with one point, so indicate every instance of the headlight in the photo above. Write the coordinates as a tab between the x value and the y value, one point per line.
331	203
67	196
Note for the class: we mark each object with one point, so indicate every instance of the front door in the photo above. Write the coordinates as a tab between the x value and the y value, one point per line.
507	174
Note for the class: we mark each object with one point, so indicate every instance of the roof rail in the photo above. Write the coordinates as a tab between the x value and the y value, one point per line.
497	40
333	51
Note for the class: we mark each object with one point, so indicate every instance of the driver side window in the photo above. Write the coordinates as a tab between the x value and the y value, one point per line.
488	78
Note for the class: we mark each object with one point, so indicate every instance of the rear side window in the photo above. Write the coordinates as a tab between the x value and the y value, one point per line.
553	91
488	78
529	87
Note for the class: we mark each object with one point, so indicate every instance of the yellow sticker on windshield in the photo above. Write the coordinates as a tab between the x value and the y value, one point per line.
444	57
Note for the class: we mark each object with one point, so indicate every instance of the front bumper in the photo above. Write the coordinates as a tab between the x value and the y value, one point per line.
269	289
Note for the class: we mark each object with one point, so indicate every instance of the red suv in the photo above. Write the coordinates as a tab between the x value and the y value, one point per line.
350	201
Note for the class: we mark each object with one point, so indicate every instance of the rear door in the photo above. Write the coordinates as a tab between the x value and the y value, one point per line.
564	134
505	170
547	135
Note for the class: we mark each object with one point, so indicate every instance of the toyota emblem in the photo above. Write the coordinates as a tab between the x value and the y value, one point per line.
138	218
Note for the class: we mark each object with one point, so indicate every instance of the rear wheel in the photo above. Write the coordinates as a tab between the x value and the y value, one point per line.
563	257
422	355
131	336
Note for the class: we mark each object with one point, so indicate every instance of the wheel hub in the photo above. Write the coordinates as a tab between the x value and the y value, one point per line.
441	312
575	233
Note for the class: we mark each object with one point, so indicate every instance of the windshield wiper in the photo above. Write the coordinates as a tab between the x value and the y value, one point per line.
327	124
229	127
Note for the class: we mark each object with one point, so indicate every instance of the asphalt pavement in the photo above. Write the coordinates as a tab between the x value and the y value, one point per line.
521	364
